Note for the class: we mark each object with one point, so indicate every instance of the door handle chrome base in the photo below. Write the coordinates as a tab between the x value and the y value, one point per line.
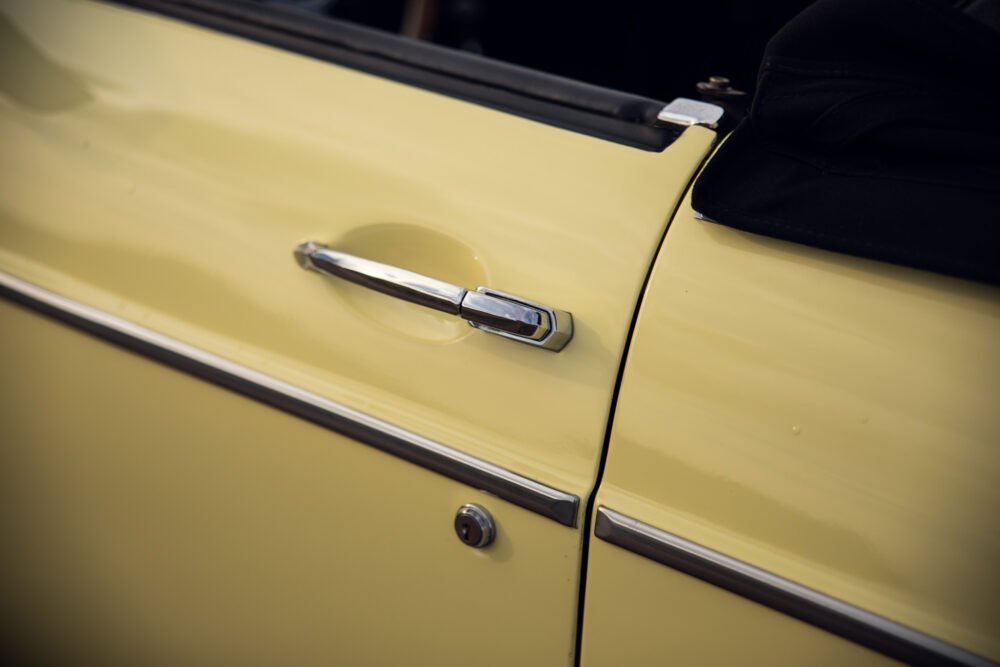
486	309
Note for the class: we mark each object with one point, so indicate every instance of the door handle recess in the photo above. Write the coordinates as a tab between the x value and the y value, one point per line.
487	309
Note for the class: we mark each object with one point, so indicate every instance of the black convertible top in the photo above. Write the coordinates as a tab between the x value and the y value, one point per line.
875	132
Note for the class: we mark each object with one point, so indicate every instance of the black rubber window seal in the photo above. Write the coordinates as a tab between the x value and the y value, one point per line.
572	105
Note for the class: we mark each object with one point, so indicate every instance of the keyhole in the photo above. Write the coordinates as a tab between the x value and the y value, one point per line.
474	526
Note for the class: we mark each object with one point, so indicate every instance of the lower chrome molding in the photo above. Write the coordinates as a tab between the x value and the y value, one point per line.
535	496
857	625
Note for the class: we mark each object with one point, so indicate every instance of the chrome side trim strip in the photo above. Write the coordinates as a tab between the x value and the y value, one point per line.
535	496
857	625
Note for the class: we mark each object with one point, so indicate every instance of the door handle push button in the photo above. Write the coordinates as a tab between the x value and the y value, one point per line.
474	526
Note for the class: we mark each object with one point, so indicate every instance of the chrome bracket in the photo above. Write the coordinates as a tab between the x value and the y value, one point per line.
687	112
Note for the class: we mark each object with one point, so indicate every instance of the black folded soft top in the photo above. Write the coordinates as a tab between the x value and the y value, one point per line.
875	132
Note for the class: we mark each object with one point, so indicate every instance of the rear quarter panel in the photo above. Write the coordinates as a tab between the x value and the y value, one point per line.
829	419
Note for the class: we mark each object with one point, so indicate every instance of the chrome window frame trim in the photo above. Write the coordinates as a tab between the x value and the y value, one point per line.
862	627
540	498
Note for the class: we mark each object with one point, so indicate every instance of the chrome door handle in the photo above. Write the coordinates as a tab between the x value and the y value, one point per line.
486	309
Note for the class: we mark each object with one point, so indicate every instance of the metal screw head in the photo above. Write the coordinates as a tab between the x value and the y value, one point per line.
474	526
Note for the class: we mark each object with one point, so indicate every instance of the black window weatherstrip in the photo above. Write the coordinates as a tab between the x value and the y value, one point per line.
823	611
573	105
530	494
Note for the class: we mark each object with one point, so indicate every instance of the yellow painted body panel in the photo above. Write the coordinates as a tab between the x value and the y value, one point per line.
164	173
150	518
830	419
642	613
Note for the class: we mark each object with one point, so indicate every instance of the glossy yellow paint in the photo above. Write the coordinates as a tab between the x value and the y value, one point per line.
829	419
152	518
646	614
164	173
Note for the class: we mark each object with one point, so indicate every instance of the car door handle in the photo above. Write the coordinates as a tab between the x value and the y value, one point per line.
486	309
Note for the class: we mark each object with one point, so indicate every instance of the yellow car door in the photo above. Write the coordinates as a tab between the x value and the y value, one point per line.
212	455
